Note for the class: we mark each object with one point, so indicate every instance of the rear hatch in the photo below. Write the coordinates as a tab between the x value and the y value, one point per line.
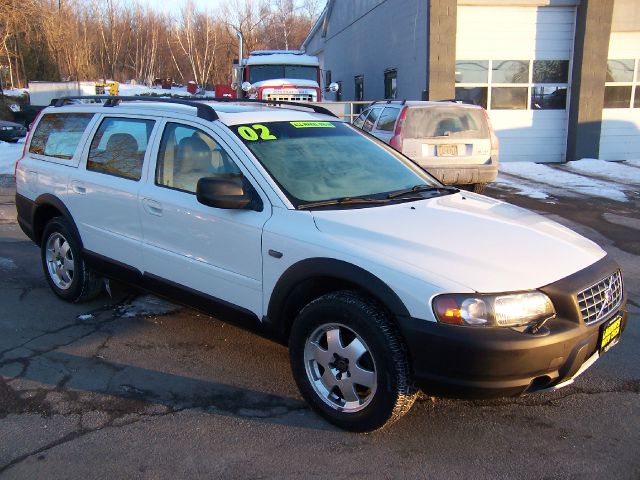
446	135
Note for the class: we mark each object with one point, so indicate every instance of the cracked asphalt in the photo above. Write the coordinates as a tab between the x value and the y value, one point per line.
127	387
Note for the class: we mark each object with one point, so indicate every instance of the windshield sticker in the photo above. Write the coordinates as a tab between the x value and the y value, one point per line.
313	124
249	133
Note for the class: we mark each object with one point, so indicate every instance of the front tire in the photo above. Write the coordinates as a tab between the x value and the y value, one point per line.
350	363
63	265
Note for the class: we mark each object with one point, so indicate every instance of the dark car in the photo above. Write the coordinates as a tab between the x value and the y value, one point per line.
11	132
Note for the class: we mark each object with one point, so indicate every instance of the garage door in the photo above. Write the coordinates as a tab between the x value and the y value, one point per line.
516	62
620	134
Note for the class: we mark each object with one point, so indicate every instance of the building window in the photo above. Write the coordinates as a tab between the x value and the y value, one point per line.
391	84
621	88
513	84
359	92
327	78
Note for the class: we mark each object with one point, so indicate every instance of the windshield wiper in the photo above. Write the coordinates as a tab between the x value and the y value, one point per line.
341	201
422	188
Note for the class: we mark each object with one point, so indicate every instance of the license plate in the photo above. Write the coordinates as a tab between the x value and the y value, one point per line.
447	150
610	333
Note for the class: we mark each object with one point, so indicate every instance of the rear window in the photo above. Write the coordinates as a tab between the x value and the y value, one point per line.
459	122
58	134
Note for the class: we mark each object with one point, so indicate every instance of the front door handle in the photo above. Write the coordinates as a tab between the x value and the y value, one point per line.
78	187
153	207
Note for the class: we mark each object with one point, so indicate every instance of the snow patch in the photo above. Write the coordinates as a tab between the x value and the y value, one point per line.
521	188
9	155
130	90
7	264
145	306
615	171
86	317
635	163
15	92
558	180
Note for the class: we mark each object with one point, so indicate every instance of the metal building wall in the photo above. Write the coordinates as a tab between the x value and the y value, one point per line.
367	37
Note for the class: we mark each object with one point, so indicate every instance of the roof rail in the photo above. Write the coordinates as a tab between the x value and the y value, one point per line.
205	111
400	102
454	100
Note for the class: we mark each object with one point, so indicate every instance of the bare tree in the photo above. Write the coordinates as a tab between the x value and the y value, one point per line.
122	39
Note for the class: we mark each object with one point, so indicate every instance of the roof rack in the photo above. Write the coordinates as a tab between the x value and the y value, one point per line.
205	111
401	102
454	100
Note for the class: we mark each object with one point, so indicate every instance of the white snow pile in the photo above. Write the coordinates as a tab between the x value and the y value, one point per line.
15	92
9	154
126	89
523	188
556	181
7	264
614	171
145	306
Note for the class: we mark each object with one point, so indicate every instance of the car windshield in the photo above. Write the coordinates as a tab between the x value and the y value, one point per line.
315	161
455	121
259	73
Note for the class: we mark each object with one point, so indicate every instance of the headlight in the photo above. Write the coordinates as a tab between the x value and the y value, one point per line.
497	310
6	128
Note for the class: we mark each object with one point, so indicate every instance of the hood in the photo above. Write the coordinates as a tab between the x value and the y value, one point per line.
286	82
481	243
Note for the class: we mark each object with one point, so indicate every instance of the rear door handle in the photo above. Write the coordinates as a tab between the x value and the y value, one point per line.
78	187
153	207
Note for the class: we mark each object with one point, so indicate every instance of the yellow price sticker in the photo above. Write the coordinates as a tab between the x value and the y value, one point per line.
310	124
250	133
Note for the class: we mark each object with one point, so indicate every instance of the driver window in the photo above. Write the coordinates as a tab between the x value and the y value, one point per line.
188	154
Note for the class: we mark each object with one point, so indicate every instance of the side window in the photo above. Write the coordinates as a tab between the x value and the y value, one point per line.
371	119
58	134
388	119
188	154
118	147
359	121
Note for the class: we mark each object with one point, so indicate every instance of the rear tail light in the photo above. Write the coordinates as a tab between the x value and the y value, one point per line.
26	142
495	143
396	140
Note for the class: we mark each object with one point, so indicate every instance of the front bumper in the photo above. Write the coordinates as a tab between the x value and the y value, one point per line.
482	362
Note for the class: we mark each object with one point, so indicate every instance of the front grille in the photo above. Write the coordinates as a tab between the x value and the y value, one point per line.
599	300
291	98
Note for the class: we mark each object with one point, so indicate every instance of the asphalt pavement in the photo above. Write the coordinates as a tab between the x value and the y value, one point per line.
132	387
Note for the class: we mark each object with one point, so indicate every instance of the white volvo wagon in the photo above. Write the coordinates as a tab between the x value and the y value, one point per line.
286	220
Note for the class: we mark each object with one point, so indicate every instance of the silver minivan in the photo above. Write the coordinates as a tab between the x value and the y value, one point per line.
453	141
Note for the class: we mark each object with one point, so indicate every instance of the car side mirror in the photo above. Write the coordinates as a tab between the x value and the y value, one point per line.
334	87
232	193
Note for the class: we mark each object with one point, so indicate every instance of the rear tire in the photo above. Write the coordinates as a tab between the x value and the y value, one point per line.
63	265
350	363
478	187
